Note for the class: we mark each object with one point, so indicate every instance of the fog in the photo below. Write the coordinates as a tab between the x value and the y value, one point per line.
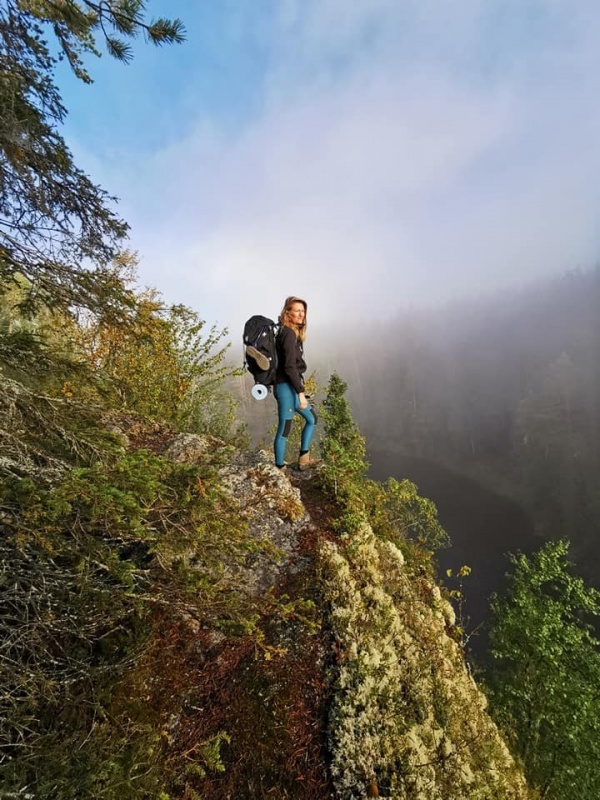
504	391
492	406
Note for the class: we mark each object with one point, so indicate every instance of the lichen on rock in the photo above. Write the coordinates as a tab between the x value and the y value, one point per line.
406	715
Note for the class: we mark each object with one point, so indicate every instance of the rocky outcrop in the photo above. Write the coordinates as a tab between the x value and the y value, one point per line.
406	720
275	515
267	500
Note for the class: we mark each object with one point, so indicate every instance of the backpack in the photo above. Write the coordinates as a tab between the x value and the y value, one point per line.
260	333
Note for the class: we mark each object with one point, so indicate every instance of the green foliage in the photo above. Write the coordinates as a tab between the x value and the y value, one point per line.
343	447
394	509
211	409
406	720
397	512
344	455
86	570
459	630
44	429
545	673
106	559
210	755
46	236
59	238
37	350
42	435
161	365
59	375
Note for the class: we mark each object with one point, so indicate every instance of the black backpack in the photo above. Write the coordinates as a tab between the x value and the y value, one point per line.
260	333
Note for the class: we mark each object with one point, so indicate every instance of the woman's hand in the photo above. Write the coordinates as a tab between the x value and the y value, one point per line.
303	401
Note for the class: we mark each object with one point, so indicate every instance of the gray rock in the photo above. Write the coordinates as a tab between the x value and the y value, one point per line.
189	448
267	500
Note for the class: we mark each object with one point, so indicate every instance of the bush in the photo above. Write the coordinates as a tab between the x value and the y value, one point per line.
545	672
92	571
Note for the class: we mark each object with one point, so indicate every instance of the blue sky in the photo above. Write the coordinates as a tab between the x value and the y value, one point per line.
367	156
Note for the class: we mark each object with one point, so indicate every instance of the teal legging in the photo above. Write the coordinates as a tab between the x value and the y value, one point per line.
288	404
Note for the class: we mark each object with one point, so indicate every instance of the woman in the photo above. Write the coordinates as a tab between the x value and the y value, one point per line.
289	386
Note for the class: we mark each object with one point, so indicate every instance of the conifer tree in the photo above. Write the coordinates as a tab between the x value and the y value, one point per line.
343	449
60	238
57	228
343	444
545	673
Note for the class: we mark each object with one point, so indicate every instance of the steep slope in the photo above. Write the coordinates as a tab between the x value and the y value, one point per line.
407	720
261	696
377	677
186	622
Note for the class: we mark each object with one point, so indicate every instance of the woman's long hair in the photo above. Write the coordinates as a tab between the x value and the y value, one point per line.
284	317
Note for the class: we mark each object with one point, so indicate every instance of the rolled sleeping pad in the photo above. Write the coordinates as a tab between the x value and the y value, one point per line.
259	391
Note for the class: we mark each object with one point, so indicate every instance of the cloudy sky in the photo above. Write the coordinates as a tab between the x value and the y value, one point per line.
367	155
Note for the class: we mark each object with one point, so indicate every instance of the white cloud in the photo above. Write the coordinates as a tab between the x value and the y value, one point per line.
405	152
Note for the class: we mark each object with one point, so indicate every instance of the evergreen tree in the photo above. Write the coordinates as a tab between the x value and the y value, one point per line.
54	222
343	447
545	673
59	238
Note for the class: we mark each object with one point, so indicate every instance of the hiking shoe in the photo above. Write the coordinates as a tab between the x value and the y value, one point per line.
262	361
306	462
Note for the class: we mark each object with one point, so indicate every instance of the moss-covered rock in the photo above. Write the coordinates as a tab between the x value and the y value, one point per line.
407	720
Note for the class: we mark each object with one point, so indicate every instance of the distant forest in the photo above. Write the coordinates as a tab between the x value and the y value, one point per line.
505	389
